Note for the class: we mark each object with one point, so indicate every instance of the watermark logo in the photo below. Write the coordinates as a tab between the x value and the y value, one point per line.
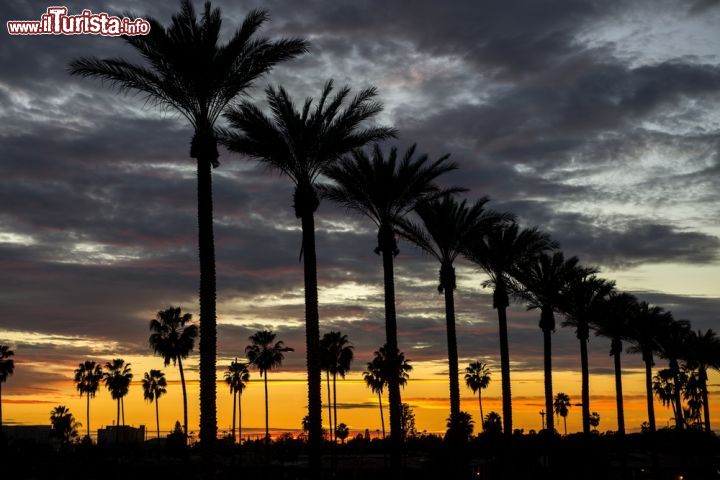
56	21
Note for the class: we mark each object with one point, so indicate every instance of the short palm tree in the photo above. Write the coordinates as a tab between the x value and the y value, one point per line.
237	376
582	297
643	330
376	383
542	281
184	69
7	368
477	379
63	423
117	377
154	386
173	337
703	354
87	381
612	322
672	344
265	354
337	354
445	225
561	407
499	253
301	144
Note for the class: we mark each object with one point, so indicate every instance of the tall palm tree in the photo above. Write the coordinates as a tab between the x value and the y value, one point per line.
87	381
7	368
264	353
237	376
445	225
477	378
173	338
499	252
582	298
542	281
643	329
154	386
185	69
376	383
337	353
561	407
703	354
117	377
672	344
612	322
301	144
386	189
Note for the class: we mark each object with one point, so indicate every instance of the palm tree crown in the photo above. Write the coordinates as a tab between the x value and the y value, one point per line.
173	335
154	385
264	352
237	376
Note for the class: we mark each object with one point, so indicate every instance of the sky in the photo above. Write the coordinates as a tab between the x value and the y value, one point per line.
595	121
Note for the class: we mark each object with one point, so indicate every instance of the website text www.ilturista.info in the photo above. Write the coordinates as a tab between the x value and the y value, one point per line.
56	21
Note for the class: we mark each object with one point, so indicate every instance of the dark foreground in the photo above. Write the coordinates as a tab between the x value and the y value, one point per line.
663	455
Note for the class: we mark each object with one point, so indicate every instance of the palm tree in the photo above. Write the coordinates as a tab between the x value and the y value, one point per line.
581	300
237	376
643	330
386	189
499	253
154	386
612	322
117	377
265	354
173	338
185	70
342	431
63	423
337	355
477	378
376	383
391	367
301	144
561	406
664	386
672	344
542	281
446	224
87	381
703	353
7	367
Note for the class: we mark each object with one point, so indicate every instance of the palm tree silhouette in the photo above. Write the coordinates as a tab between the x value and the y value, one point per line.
561	407
391	367
237	376
376	382
265	354
703	353
664	385
477	378
643	329
386	189
173	338
7	368
117	377
337	354
301	144
154	386
500	252
581	300
672	344
446	225
542	281
185	70
63	423
87	381
614	316
342	431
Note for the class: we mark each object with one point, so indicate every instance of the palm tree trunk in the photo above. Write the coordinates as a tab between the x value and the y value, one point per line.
447	282
702	373
122	407
505	371
547	361
234	410
585	373
312	339
648	388
619	390
335	424
157	416
184	393
482	416
679	420
329	402
117	425
88	413
267	417
204	148
565	423
240	418
382	415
